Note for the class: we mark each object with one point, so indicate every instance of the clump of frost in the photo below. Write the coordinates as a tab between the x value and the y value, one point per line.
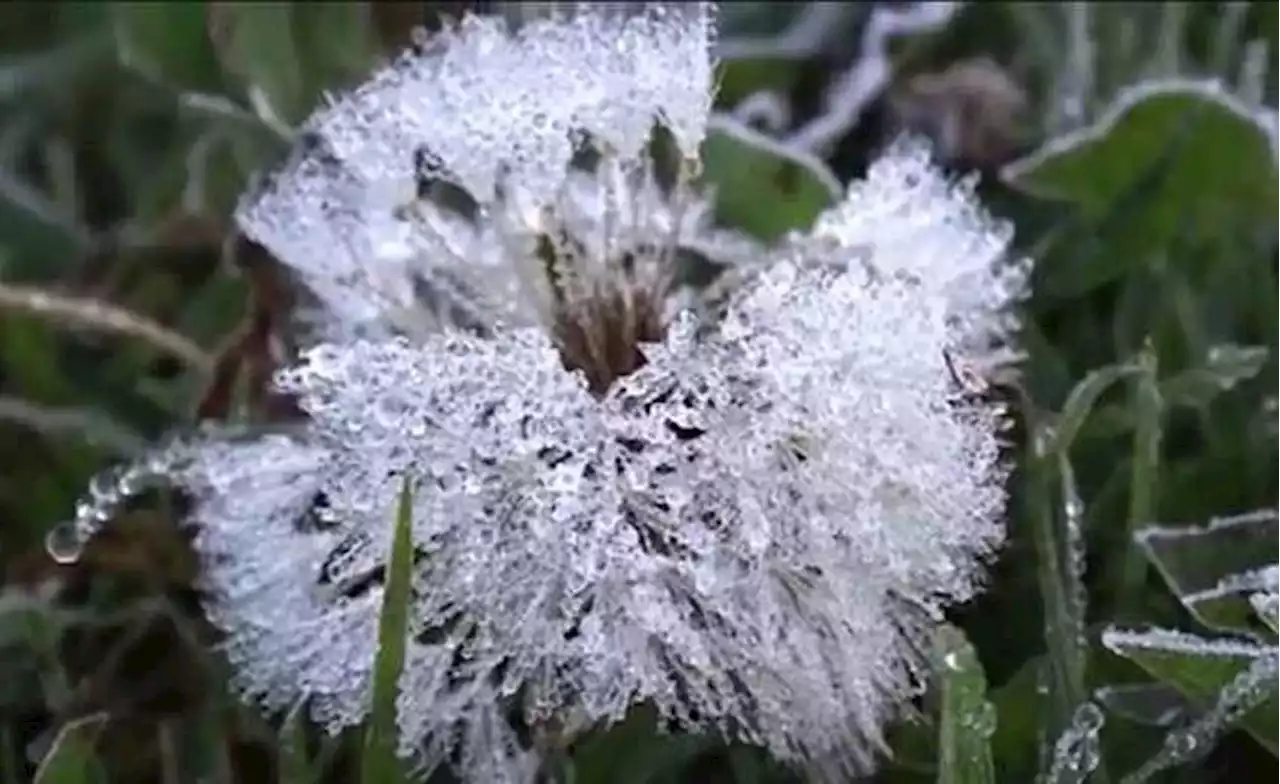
749	518
931	233
1252	686
1255	681
428	185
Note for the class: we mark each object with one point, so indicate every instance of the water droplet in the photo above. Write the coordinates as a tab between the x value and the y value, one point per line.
985	722
1089	717
420	37
1182	743
104	486
1043	441
63	544
1267	606
1076	750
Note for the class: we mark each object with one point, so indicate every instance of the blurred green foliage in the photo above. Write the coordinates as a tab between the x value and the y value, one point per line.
127	131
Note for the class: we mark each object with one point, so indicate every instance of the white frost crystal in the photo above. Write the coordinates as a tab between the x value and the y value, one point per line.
747	519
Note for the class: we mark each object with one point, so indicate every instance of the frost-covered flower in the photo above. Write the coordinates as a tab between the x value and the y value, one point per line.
746	518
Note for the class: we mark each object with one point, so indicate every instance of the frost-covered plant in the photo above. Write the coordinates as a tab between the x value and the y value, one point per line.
747	517
1187	557
1090	54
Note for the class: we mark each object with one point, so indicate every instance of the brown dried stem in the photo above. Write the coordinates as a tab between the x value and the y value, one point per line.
245	361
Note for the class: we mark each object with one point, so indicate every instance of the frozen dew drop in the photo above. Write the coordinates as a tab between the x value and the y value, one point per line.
986	721
1043	442
1076	753
1267	606
1089	717
63	544
1183	743
420	37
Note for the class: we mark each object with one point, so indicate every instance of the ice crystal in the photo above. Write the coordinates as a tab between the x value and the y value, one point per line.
747	517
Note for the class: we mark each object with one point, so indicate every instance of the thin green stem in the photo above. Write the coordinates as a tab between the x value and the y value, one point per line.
1148	408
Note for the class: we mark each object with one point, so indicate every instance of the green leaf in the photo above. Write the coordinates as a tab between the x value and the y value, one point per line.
379	764
168	43
967	719
41	235
1209	568
70	759
1225	366
1020	708
1169	162
254	43
761	187
336	43
1202	670
1210	179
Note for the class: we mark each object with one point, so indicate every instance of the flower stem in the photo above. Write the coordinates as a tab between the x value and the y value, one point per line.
1148	407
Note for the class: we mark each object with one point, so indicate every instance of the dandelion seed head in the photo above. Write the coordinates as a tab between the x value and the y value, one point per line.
745	518
502	118
490	105
906	221
720	533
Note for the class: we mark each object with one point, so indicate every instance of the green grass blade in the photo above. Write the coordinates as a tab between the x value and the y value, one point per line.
1149	408
8	762
379	764
1080	403
967	720
294	765
1057	592
70	757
